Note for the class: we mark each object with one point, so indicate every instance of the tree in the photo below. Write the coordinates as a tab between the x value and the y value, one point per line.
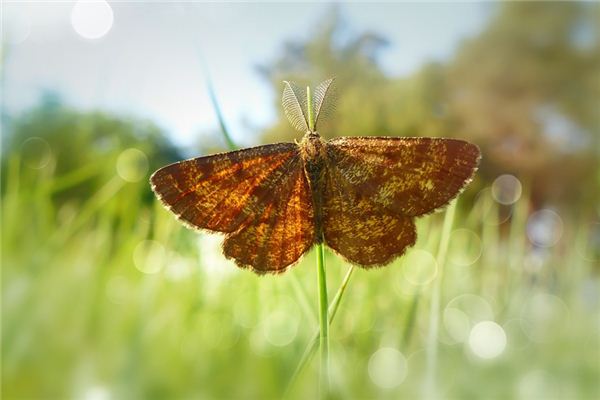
81	141
525	90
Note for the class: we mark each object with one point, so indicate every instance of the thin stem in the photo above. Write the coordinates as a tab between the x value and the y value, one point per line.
322	284
323	320
224	131
431	348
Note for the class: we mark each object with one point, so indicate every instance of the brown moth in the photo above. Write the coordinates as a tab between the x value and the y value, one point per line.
358	195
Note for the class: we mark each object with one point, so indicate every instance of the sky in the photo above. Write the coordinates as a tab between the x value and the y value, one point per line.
149	59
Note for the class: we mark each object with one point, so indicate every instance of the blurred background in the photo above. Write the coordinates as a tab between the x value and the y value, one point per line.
105	295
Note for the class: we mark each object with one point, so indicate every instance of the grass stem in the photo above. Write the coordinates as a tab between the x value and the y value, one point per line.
312	344
323	320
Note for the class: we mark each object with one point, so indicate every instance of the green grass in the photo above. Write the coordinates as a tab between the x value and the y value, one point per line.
79	317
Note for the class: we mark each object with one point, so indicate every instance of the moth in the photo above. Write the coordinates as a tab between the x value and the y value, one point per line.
358	195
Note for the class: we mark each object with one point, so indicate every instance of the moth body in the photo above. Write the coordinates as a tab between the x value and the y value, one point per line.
313	150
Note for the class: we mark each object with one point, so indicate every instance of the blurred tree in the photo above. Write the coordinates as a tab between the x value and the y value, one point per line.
78	142
525	90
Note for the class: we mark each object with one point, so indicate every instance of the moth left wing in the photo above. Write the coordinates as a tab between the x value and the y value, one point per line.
282	232
226	191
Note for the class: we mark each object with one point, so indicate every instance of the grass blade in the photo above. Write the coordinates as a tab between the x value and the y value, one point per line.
310	349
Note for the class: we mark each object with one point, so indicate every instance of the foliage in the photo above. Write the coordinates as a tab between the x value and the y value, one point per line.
109	298
87	142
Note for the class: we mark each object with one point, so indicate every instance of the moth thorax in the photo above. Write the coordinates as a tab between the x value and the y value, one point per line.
313	147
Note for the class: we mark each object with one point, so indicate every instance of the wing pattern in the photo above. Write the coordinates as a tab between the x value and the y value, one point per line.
410	176
282	233
376	186
259	197
223	191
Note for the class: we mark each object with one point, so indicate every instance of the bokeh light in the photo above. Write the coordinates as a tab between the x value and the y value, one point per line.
457	324
465	247
487	340
492	212
506	189
281	327
36	153
149	256
419	267
544	228
543	317
462	313
97	393
387	368
132	165
178	268
515	335
92	19
537	384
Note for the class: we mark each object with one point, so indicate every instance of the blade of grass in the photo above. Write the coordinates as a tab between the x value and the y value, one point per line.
213	98
323	320
434	310
310	349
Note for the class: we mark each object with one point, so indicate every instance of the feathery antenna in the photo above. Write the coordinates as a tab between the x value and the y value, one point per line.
295	106
298	107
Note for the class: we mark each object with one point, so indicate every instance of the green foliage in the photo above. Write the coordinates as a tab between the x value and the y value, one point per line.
110	297
90	143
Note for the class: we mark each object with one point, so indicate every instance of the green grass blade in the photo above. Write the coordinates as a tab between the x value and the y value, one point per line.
224	131
310	349
323	320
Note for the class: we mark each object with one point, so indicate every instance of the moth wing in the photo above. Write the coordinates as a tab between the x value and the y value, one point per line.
226	191
358	231
408	176
283	231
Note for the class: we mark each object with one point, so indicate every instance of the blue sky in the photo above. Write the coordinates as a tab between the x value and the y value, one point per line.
147	59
